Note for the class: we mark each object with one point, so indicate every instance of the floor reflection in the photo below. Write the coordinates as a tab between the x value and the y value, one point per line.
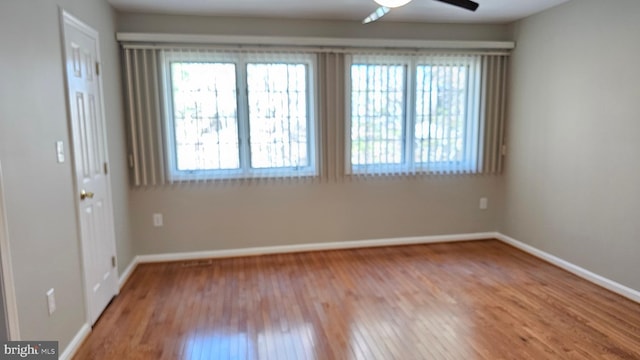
216	346
294	343
410	328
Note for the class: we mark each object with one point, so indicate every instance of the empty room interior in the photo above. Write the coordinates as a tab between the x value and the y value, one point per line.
341	179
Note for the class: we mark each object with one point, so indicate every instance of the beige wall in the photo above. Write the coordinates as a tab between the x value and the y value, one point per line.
39	191
209	217
212	217
573	173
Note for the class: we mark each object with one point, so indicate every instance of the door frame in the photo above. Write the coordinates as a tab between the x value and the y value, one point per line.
67	18
8	284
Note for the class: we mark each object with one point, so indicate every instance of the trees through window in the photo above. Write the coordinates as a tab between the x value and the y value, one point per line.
413	114
238	115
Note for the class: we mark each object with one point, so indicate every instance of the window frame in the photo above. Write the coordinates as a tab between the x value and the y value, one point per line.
408	165
240	59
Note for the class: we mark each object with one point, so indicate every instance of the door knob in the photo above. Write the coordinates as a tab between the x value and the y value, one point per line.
85	194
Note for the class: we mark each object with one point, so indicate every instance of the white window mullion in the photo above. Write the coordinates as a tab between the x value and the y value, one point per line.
312	115
474	127
446	125
378	125
244	139
410	117
288	119
348	127
369	149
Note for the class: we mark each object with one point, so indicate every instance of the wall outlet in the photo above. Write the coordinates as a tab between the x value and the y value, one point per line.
157	220
484	203
51	301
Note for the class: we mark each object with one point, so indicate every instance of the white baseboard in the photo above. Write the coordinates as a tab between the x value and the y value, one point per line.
85	330
127	272
75	343
608	284
283	249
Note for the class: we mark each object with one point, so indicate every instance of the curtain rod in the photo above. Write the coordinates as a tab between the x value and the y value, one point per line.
306	49
157	39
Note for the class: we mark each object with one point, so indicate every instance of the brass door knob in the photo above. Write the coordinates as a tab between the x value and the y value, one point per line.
85	194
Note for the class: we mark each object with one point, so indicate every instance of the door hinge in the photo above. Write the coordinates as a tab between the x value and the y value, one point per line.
97	68
106	169
113	261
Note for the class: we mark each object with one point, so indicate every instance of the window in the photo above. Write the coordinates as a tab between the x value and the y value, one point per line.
413	114
199	113
239	115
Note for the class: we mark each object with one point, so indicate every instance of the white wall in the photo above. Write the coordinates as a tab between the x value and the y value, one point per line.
573	173
38	191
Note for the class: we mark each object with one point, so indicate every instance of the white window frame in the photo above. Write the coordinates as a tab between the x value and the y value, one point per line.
408	164
240	60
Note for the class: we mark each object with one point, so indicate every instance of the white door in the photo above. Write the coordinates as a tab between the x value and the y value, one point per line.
10	305
90	164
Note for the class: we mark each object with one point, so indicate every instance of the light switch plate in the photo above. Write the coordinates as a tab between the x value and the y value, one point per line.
60	151
51	301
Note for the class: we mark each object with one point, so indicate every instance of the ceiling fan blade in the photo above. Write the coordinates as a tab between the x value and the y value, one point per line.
380	12
465	4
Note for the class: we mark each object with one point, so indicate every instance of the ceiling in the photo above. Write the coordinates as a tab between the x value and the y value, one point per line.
490	11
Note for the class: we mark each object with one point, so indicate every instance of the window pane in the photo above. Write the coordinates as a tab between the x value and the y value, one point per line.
377	114
277	95
205	115
441	100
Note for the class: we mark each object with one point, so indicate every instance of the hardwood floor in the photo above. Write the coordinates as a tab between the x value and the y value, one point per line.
474	300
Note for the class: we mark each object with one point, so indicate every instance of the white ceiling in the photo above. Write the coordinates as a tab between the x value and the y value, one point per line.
490	11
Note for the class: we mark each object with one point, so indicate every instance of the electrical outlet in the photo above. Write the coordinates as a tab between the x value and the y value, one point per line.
51	301
157	220
484	203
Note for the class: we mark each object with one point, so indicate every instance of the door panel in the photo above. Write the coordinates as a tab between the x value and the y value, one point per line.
90	164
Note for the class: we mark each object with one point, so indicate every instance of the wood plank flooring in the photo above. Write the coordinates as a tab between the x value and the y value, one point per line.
473	300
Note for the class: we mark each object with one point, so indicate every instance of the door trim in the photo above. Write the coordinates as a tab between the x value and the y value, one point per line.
68	19
10	300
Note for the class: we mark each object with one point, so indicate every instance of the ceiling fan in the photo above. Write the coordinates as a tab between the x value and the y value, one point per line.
387	5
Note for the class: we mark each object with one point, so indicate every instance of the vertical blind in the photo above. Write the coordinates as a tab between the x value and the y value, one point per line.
493	102
143	86
206	115
407	127
425	113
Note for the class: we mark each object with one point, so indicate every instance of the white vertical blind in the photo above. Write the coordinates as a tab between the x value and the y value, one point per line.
147	156
425	113
493	110
207	115
384	116
331	113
